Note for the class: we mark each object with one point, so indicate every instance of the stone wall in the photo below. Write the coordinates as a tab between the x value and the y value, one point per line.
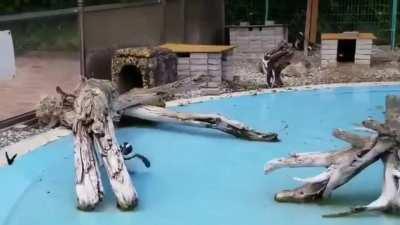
252	41
217	66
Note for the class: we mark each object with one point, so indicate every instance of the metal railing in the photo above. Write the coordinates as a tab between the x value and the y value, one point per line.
72	11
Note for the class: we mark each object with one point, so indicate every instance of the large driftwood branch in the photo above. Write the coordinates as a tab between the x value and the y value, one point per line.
342	166
235	128
91	112
93	126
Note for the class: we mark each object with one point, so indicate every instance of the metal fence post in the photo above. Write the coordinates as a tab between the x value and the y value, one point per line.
394	24
266	11
82	39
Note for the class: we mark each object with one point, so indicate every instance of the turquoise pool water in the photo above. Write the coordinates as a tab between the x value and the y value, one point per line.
204	177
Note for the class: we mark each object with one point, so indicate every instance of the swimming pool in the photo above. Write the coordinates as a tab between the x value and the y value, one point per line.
205	177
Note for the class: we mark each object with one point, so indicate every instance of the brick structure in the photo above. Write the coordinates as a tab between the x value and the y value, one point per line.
253	40
214	61
346	47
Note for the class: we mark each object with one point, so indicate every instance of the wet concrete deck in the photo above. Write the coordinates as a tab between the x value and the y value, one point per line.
38	74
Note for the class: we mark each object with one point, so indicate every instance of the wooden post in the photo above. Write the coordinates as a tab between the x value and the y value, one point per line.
308	27
82	39
266	11
394	24
314	21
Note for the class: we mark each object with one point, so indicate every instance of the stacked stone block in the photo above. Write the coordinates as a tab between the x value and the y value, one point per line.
217	66
329	52
330	42
183	67
198	64
252	41
214	64
227	66
363	51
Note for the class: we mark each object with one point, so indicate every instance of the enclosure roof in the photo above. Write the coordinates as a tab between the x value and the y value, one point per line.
191	48
347	36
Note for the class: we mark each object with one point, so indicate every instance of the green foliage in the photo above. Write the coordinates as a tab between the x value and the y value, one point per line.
48	34
335	15
18	6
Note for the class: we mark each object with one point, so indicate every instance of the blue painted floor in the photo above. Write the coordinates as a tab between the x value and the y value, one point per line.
204	177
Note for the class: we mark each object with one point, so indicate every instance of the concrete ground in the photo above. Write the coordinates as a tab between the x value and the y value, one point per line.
38	74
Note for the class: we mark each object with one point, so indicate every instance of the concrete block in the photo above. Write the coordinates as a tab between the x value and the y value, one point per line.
214	67
329	42
216	73
214	55
198	61
183	60
359	56
198	68
184	71
198	56
363	51
214	61
329	46
362	61
329	52
183	67
364	41
243	38
197	73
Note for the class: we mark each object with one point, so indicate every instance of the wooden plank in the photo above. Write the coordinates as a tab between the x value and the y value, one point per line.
340	36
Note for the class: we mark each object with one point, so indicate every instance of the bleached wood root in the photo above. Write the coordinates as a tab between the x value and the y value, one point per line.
342	166
93	126
235	128
389	200
89	188
120	180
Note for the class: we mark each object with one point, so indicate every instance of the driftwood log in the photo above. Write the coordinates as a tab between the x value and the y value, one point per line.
342	166
91	113
274	61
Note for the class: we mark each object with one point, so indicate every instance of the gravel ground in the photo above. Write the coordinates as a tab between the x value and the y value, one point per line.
385	67
17	133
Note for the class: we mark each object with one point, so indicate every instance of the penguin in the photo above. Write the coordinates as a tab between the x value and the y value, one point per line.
127	149
10	161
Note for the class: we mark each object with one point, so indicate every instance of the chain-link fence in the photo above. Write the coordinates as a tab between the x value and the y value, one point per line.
335	15
45	40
